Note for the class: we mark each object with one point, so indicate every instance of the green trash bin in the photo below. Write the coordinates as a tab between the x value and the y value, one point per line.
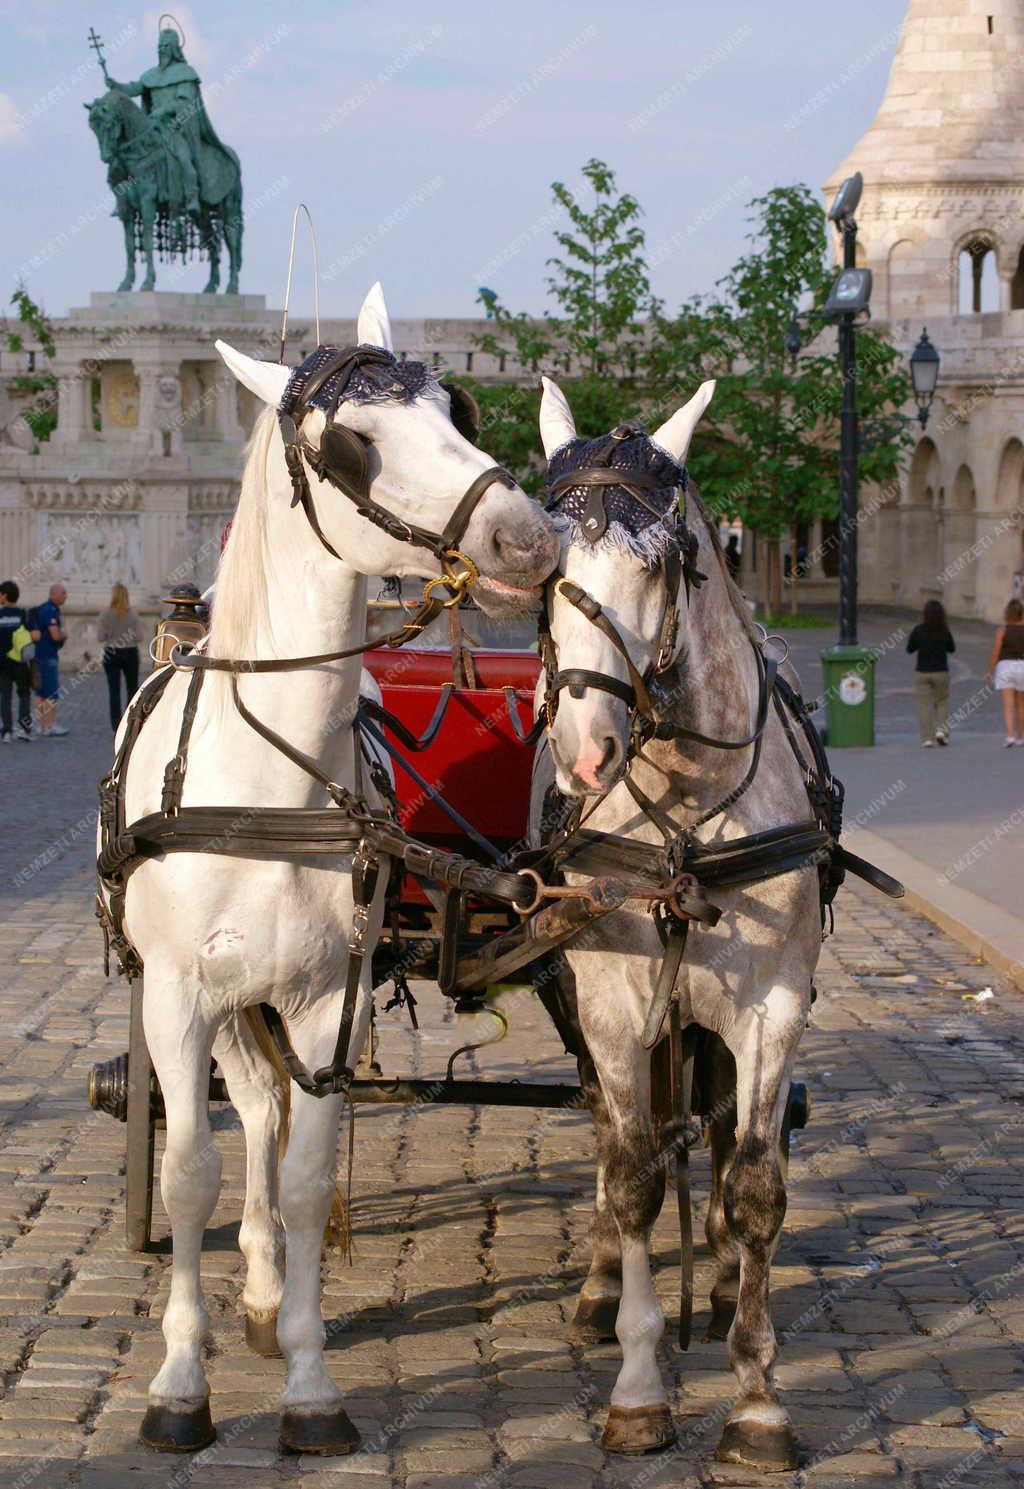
849	695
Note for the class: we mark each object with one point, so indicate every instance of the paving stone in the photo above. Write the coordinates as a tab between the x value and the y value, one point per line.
900	1298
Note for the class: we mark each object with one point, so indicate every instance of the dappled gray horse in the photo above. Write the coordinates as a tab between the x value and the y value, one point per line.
747	979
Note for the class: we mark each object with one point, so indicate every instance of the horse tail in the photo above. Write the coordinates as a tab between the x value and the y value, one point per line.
338	1230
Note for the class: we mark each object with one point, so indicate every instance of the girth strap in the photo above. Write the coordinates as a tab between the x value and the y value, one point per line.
335	1078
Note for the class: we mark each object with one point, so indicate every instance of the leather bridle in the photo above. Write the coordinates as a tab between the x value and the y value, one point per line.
679	568
342	460
678	565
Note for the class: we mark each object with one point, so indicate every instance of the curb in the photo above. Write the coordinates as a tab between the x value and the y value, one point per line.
985	929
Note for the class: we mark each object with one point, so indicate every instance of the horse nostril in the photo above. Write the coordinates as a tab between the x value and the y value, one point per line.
528	550
610	757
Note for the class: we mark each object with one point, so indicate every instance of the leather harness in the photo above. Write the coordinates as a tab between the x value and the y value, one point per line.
350	827
737	862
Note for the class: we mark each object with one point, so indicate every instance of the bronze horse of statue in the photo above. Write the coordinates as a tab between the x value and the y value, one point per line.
144	175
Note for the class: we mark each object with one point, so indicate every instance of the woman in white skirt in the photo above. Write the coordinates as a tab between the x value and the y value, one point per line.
1006	669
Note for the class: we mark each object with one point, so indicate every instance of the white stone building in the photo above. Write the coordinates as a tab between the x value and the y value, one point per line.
942	227
142	471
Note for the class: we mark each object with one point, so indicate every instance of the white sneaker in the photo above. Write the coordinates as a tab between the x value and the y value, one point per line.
7	737
1010	742
56	731
927	744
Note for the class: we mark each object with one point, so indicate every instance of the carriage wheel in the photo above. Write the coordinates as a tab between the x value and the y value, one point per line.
141	1127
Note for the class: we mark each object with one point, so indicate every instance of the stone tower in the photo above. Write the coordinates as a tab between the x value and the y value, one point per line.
942	227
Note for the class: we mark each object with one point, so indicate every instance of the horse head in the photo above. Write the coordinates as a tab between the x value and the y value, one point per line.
106	120
617	613
385	434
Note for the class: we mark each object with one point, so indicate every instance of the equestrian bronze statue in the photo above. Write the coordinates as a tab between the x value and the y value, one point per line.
177	187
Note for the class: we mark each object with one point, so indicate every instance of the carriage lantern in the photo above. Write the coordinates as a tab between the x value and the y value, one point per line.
184	627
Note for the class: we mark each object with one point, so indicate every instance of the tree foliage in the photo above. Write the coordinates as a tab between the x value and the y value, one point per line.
767	450
38	389
775	462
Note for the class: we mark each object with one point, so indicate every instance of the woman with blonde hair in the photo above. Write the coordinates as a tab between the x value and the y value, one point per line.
1006	668
119	630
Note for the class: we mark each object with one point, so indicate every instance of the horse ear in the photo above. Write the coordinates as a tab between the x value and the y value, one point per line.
374	325
267	380
676	433
556	421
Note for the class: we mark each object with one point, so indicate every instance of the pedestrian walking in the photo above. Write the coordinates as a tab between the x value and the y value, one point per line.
46	623
932	641
16	650
732	556
1006	669
119	631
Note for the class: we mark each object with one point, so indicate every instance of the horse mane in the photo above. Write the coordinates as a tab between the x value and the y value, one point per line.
732	589
242	573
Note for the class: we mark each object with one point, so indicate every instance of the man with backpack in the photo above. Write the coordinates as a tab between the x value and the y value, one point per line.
16	651
47	626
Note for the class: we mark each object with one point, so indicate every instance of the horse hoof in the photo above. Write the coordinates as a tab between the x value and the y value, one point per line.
594	1321
634	1430
768	1446
184	1427
318	1432
261	1336
723	1311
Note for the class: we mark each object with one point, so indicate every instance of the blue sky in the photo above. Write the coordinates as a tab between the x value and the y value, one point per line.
425	136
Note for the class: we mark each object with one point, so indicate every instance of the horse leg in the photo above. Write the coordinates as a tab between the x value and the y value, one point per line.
634	1183
148	219
757	1431
598	1304
177	1418
720	1079
212	246
128	226
261	1100
313	1419
233	239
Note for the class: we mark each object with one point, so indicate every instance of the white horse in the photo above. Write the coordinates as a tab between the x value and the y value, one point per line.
220	935
747	980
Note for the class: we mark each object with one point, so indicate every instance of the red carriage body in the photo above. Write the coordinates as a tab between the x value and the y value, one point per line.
476	762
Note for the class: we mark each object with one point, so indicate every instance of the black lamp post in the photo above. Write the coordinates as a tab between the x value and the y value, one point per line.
849	296
924	376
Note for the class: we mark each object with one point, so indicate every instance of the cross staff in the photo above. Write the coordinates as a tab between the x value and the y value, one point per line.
97	46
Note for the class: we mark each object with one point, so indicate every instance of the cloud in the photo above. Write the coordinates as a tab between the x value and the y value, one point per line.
9	116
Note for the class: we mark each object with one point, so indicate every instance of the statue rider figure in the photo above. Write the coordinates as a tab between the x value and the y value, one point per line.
172	100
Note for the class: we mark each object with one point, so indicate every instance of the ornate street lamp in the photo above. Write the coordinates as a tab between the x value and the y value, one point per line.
924	376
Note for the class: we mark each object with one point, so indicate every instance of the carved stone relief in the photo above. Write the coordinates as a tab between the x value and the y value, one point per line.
93	549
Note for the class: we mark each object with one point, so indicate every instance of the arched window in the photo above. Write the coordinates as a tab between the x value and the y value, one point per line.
979	278
1017	284
904	279
925	475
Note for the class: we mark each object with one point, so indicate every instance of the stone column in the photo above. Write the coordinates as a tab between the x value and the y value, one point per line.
228	425
74	412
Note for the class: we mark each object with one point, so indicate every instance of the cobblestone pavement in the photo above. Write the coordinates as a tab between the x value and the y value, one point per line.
897	1287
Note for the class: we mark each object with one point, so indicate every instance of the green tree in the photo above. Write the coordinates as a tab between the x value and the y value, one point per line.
38	389
595	341
772	458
